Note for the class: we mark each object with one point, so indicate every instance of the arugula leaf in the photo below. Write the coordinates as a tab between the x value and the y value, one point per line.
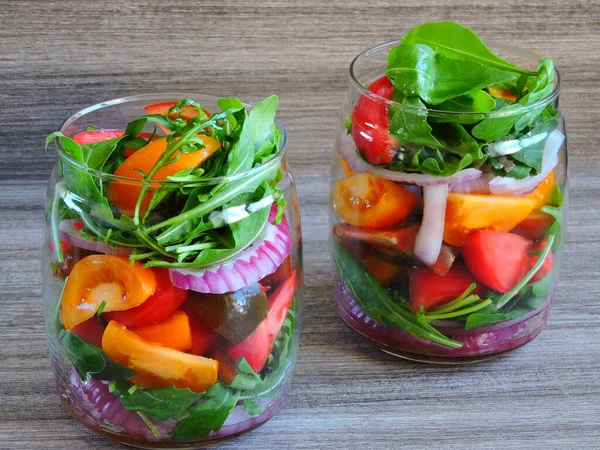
533	143
160	404
376	302
477	319
493	128
418	69
91	361
409	125
454	40
255	136
209	415
252	407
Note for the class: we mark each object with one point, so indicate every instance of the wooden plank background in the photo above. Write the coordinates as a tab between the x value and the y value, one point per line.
58	56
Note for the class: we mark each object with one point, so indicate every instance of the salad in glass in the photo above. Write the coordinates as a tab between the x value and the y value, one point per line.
173	274
448	196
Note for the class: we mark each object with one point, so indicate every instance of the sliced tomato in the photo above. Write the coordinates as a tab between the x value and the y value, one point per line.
498	92
257	347
365	200
466	213
385	271
370	124
227	369
91	137
124	194
90	331
546	266
543	192
107	279
497	259
282	273
187	113
428	289
165	301
203	336
173	332
399	240
534	226
156	366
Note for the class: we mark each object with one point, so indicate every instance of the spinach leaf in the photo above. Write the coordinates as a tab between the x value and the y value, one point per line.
255	136
455	139
474	101
418	69
209	415
493	128
454	40
160	404
431	161
376	302
409	124
91	361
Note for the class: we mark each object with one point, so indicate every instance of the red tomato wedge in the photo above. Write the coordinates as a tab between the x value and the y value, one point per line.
91	137
203	336
368	201
428	289
546	266
90	331
497	259
534	226
386	272
257	347
187	113
160	305
370	124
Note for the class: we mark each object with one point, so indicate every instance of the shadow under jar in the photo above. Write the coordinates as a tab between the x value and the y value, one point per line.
448	221
172	268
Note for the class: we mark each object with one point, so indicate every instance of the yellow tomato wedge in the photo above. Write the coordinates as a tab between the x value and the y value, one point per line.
104	278
173	332
543	192
156	366
469	212
124	194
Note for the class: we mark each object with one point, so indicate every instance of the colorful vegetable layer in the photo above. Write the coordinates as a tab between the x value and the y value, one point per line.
446	200
179	269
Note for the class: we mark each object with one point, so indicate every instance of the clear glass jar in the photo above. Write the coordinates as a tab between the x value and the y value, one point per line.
210	353
487	286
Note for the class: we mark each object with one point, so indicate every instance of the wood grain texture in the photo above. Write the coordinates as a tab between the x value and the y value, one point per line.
59	56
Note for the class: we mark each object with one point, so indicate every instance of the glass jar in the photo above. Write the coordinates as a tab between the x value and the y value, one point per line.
151	348
451	267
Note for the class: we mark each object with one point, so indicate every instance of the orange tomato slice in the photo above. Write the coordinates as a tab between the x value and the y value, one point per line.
543	192
367	201
498	92
466	213
124	194
104	278
156	366
173	332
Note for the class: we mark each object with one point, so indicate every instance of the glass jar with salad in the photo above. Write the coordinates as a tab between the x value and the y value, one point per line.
448	196
172	268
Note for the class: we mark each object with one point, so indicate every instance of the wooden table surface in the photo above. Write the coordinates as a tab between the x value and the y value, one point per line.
59	56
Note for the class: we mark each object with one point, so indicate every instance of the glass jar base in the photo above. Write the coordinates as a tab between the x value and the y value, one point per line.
138	443
478	344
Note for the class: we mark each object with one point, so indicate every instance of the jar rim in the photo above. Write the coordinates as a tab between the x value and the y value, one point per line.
489	114
168	96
